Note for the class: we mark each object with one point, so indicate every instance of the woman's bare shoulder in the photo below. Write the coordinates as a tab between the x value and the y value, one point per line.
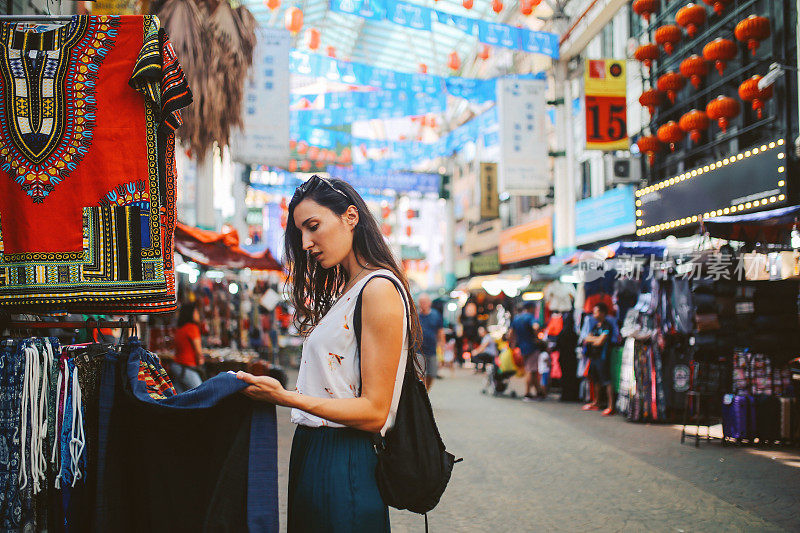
381	297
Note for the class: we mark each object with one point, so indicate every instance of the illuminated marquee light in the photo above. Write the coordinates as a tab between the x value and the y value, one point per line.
680	178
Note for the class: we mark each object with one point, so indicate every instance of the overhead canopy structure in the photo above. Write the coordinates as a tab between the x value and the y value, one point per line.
220	250
382	43
774	226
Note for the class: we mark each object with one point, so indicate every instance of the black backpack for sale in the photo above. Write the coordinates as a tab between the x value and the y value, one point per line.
413	465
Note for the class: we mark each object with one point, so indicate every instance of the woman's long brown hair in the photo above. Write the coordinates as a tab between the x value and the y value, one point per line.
313	288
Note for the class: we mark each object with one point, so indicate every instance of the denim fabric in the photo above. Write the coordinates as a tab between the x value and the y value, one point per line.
205	459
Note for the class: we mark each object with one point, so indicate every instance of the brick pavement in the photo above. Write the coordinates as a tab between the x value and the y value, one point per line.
551	467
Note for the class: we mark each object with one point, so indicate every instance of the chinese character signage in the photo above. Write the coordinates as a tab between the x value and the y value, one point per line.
264	140
525	166
489	200
606	105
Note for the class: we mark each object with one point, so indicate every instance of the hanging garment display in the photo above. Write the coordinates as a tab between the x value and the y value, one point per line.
216	466
75	426
87	171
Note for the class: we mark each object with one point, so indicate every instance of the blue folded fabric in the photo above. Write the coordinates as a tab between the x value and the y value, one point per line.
214	397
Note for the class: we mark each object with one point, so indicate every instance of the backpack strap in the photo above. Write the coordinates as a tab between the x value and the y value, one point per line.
357	324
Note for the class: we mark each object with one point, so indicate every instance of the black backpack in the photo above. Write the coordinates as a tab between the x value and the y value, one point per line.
413	466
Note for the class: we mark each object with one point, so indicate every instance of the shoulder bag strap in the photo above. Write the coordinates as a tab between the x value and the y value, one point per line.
357	324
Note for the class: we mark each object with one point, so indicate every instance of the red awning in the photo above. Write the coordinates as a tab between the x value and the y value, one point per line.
219	250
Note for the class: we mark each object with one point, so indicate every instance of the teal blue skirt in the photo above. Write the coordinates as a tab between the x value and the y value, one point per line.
332	486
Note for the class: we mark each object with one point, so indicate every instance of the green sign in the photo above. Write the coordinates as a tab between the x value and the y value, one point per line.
486	264
255	216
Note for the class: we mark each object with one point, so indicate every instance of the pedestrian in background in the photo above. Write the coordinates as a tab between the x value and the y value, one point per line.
523	332
598	344
432	326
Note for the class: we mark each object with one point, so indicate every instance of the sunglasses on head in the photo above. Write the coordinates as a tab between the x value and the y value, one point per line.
312	183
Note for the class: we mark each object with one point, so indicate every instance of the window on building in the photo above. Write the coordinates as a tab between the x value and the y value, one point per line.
586	179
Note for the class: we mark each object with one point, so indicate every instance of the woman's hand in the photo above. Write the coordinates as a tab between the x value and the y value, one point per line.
263	388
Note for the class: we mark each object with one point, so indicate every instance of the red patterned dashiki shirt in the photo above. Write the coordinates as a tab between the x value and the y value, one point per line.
87	181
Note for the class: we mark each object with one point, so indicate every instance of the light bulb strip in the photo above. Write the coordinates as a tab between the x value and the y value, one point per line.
744	206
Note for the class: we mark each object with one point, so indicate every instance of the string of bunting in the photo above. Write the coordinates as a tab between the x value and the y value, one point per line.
421	18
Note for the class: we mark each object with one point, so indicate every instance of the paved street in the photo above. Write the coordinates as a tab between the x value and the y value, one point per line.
552	467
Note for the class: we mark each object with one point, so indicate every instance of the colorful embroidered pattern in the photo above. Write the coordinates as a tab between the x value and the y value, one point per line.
47	130
116	255
158	384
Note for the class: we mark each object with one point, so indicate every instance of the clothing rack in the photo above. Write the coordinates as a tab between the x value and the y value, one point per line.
36	18
108	324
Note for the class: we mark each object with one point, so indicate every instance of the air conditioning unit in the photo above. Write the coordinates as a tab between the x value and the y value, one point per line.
622	170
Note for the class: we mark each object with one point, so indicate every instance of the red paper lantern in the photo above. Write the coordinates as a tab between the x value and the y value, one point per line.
651	99
645	8
722	109
719	5
347	156
649	145
467	4
694	123
293	19
409	231
272	4
330	51
313	38
313	152
386	211
484	52
691	17
305	166
749	92
453	61
695	69
497	6
671	83
292	145
752	30
670	133
423	68
720	51
647	53
302	147
386	229
293	165
667	37
526	7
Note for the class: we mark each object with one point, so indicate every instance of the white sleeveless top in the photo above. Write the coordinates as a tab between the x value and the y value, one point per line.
329	367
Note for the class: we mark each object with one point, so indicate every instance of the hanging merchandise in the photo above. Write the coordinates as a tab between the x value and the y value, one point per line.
497	6
93	166
453	61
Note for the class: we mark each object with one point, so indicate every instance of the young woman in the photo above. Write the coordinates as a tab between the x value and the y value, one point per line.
334	249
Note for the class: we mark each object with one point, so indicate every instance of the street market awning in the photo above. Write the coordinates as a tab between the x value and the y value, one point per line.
220	250
774	226
619	248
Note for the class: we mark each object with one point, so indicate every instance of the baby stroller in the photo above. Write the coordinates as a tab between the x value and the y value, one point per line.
500	372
